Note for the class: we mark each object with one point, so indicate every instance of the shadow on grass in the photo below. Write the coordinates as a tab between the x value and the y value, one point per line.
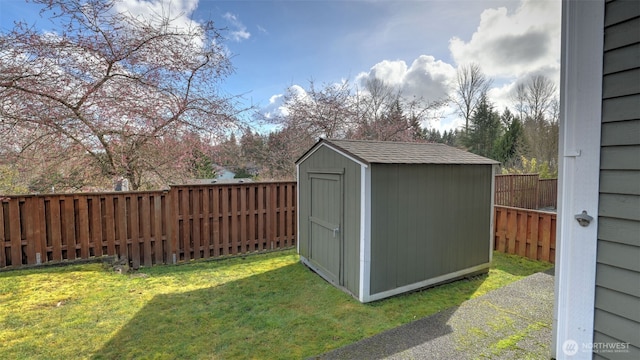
396	340
287	313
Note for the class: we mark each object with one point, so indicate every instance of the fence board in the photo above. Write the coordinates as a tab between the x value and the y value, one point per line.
40	233
15	236
525	232
158	238
521	233
500	242
225	213
184	244
29	226
271	218
56	231
244	213
253	215
122	247
108	222
532	236
545	244
215	216
261	214
293	215
172	227
234	244
205	221
95	226
83	226
68	227
146	223
134	230
196	218
281	213
3	259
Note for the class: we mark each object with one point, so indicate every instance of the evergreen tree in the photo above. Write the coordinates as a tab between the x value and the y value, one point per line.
433	135
202	165
484	129
509	144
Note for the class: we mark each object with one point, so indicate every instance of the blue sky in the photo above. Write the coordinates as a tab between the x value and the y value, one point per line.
415	45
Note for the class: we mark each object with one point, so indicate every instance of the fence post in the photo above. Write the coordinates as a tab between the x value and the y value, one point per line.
538	192
172	225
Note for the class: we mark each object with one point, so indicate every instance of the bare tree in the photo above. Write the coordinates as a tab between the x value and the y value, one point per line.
470	84
536	101
123	89
378	112
383	113
325	112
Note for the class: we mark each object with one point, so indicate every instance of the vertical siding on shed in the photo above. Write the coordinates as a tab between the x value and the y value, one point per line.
325	158
617	301
416	217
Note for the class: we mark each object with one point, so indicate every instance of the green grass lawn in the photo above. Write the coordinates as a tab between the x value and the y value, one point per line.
265	306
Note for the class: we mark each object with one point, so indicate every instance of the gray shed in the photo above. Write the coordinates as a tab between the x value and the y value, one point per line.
378	218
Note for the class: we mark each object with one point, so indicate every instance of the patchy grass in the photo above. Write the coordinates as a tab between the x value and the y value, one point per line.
263	307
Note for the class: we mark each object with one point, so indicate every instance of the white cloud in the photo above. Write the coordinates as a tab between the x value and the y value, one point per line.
426	77
275	98
262	29
391	72
509	45
178	10
501	96
276	107
240	31
514	44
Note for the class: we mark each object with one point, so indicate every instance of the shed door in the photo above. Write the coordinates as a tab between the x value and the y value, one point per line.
325	224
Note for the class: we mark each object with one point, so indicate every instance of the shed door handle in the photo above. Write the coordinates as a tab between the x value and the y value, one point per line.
335	231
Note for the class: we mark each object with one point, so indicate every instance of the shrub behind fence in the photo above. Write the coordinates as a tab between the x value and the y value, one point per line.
147	228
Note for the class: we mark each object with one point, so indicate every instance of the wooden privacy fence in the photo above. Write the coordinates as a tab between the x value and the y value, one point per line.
525	232
547	193
525	191
195	222
147	228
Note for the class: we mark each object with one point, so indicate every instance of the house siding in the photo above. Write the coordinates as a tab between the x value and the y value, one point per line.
617	293
325	158
415	221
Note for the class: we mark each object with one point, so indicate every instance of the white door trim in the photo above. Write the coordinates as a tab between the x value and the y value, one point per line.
579	170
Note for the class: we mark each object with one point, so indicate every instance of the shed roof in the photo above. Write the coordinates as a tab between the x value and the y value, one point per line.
392	152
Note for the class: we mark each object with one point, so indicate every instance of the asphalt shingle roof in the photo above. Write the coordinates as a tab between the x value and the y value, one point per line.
391	152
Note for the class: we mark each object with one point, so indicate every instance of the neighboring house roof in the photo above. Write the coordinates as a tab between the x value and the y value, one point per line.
391	152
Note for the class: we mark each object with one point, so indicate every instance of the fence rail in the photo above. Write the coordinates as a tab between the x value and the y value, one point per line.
526	191
157	227
525	232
